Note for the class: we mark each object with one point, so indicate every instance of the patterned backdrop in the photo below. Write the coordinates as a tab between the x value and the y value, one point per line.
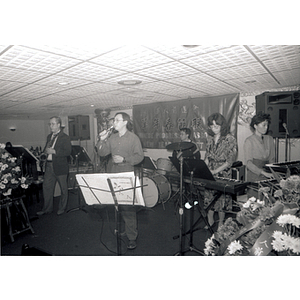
158	124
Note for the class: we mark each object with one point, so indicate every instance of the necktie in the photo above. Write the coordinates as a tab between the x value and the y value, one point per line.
52	139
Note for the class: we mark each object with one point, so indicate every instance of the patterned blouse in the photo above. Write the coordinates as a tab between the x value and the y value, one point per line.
224	151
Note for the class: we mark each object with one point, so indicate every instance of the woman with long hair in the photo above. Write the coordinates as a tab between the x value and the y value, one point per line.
221	150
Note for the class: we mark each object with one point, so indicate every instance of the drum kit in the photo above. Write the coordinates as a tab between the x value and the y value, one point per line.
157	188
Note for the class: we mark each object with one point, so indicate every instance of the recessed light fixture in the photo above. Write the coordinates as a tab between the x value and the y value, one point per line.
63	83
190	46
129	82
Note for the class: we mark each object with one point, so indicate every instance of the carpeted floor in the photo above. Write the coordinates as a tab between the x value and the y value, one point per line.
90	231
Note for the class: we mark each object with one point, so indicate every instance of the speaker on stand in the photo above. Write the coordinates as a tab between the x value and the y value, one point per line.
79	128
284	109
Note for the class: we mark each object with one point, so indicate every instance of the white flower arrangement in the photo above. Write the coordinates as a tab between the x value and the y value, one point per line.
210	246
234	247
284	241
10	173
254	204
283	220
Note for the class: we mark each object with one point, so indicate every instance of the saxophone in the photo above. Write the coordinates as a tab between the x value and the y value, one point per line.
43	159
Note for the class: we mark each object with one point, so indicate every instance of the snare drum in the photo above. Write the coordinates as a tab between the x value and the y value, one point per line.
164	165
157	189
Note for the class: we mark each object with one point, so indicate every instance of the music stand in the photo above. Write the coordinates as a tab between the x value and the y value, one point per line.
147	163
27	157
197	166
111	189
80	156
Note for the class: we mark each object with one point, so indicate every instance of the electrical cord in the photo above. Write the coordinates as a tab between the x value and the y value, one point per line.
112	232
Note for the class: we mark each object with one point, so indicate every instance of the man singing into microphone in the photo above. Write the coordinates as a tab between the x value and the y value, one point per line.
126	150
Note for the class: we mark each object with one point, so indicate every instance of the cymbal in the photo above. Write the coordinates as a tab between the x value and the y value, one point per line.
180	146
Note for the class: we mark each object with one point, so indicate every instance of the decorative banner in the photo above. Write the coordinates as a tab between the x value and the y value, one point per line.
158	124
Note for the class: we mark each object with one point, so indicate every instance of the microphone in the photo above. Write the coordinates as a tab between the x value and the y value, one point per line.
285	127
105	131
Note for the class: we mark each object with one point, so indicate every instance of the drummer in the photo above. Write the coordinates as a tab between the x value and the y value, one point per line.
191	153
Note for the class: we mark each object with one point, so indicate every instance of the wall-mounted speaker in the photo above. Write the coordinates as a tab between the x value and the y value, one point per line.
79	128
284	109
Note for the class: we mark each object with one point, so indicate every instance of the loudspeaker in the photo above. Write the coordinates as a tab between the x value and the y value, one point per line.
238	173
79	128
284	109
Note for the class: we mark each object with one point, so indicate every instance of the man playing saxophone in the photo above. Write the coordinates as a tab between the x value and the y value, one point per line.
57	150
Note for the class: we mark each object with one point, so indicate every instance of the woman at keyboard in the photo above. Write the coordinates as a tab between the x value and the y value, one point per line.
259	148
221	150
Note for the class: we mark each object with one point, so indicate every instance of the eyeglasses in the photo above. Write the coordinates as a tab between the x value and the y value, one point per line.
116	120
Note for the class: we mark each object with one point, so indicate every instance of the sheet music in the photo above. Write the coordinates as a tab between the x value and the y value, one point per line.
121	186
95	188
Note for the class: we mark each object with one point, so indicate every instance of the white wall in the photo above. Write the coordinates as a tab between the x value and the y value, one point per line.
33	133
28	132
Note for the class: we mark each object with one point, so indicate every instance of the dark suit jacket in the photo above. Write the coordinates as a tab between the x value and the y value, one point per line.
63	148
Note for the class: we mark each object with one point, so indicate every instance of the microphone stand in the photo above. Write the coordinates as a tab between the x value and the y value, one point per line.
79	207
287	146
192	248
181	210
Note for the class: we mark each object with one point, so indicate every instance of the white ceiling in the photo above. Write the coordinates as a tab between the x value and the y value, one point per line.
31	77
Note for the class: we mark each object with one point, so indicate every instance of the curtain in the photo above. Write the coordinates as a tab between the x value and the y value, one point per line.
158	124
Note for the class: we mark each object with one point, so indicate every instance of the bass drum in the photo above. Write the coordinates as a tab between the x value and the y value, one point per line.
157	189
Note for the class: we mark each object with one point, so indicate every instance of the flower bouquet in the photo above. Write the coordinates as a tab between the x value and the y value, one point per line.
10	173
266	225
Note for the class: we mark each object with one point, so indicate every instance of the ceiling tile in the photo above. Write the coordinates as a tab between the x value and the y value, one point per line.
289	77
179	52
167	71
30	75
224	58
12	74
131	58
268	52
283	63
91	71
29	59
250	69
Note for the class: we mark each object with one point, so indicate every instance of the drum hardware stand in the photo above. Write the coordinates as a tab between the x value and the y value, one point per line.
175	194
80	206
181	210
203	214
191	247
180	147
